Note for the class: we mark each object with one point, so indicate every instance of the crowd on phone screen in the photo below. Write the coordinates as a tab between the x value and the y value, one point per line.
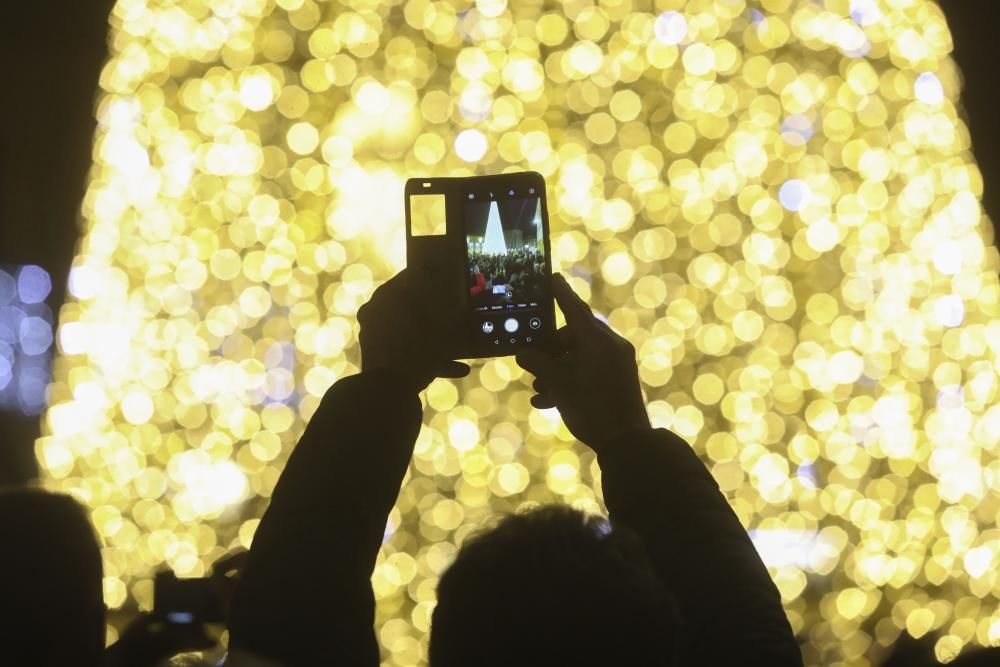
520	272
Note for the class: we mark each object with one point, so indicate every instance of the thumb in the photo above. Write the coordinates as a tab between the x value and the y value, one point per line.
536	362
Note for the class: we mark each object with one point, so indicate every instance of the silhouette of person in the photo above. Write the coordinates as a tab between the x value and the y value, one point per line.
672	578
52	595
52	601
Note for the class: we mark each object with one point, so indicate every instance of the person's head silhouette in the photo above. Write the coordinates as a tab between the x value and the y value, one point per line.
53	607
552	587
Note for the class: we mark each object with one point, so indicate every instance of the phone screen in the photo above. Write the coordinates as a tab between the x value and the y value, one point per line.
185	601
506	264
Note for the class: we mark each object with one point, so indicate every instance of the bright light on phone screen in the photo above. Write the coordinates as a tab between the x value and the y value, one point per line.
180	617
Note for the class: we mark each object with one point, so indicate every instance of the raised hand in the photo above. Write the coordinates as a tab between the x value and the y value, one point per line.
592	376
404	327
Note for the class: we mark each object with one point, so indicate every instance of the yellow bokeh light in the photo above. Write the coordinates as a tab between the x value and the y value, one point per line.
774	201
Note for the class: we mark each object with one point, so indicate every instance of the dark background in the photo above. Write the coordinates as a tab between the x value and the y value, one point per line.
51	52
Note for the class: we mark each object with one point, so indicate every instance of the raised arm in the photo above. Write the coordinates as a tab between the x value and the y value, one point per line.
305	596
654	484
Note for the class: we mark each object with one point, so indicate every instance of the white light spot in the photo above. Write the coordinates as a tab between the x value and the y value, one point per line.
947	258
256	93
475	103
470	145
862	49
782	547
806	474
865	12
372	98
949	311
228	482
390	530
84	282
73	338
951	397
137	407
851	39
928	89
125	154
671	28
794	194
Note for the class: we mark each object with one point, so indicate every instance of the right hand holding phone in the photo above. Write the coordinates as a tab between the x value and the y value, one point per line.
592	378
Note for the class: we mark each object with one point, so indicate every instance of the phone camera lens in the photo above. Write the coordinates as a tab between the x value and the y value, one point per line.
511	193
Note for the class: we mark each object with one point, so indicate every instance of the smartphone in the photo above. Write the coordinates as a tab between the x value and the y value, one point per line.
490	236
186	601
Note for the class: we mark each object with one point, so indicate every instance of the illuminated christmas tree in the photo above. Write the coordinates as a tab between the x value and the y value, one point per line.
773	200
494	243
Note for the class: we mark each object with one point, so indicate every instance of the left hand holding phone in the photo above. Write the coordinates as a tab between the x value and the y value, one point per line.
149	640
405	326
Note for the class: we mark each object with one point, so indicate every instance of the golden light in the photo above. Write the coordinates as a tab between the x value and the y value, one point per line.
775	201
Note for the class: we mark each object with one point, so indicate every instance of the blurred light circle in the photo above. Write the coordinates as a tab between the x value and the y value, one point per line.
951	397
865	12
31	384
928	89
470	145
256	93
6	372
794	194
33	284
8	288
671	28
947	257
949	310
35	336
797	129
10	323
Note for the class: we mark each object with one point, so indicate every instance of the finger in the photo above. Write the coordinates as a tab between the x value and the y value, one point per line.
453	369
564	340
607	332
576	310
542	402
536	362
539	387
390	291
233	562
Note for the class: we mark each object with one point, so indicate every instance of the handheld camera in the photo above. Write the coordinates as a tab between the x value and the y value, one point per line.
187	601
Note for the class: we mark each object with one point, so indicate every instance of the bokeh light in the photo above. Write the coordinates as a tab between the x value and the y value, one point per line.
775	201
25	338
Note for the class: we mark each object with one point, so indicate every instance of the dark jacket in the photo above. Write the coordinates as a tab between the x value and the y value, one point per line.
305	597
